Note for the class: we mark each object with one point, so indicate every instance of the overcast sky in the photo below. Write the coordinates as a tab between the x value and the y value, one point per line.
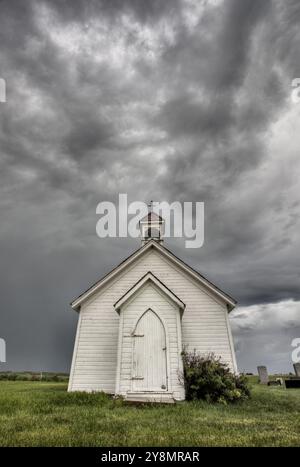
165	100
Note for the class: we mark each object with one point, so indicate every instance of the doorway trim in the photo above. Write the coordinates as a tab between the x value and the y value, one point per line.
123	382
168	375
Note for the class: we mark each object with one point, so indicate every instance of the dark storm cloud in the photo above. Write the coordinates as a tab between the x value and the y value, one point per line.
101	94
81	11
234	40
258	343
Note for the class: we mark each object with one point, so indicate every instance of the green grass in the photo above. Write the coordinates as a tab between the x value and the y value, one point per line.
32	376
44	414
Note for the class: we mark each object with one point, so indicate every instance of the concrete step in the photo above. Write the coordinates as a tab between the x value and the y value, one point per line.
160	397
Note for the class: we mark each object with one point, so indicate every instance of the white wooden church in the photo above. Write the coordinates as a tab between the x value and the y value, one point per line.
134	322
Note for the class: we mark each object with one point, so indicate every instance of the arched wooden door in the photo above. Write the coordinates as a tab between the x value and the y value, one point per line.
149	372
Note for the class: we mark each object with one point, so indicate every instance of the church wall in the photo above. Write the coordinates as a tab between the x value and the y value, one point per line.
204	323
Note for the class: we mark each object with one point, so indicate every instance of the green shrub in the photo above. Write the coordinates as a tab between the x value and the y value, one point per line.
21	378
12	377
206	377
35	378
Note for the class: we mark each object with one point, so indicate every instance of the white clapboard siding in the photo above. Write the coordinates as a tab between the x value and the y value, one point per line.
204	323
170	317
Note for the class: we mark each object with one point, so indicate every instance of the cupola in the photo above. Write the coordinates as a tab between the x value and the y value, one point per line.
152	226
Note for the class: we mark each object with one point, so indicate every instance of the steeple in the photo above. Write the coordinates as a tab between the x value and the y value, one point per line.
152	226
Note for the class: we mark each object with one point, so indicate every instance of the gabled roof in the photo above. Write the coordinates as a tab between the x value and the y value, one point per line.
152	217
168	254
149	277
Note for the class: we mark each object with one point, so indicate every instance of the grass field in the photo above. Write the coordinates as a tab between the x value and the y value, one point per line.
44	414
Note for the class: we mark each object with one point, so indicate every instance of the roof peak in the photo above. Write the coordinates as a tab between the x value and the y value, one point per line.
149	277
153	244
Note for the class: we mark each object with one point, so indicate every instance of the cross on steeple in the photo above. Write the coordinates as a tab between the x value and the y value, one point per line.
150	206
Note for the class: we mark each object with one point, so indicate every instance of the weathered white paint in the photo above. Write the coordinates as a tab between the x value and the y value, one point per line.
204	323
149	369
148	277
165	328
151	244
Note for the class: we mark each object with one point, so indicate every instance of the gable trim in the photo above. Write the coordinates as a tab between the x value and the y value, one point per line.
173	258
148	277
82	297
231	302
